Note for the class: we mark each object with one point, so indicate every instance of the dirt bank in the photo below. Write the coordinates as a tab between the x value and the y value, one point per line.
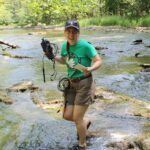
98	28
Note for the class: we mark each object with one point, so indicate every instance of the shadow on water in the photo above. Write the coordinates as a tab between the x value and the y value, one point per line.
24	126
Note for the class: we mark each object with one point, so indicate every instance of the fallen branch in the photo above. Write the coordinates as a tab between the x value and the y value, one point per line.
14	56
8	44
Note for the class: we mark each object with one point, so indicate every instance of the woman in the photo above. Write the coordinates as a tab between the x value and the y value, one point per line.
81	59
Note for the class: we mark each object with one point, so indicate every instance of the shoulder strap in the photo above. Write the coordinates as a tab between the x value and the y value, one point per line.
68	49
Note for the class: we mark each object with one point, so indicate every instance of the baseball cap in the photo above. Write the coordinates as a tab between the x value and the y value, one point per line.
72	23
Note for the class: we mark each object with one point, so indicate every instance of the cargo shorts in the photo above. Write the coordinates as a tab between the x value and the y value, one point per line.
80	92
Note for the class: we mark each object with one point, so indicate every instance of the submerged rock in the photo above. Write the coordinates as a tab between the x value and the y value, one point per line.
137	54
14	56
5	98
145	70
148	46
22	87
145	66
100	48
55	104
37	33
139	41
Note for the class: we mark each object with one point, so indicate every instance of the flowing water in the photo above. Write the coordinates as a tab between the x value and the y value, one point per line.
25	126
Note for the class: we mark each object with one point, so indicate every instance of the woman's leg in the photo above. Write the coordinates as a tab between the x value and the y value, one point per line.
69	97
78	117
68	112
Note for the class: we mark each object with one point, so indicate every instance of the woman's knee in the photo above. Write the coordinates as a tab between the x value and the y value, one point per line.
68	112
77	120
67	117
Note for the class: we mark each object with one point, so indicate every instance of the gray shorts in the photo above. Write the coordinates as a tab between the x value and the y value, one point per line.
81	92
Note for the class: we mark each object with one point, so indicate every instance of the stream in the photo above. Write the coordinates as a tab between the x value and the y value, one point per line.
24	126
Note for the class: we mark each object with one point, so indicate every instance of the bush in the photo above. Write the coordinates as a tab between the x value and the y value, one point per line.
144	22
116	20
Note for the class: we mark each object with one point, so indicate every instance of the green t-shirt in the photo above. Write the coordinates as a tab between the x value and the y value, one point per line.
82	52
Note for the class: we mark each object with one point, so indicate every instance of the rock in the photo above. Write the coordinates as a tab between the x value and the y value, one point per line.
137	114
145	66
140	142
121	145
139	41
5	99
100	48
145	70
98	96
148	46
37	33
23	86
137	54
35	100
120	51
146	144
143	142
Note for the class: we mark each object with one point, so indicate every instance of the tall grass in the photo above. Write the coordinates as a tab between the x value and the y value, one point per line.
116	20
144	22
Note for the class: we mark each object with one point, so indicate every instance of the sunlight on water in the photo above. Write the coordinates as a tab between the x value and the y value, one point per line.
118	136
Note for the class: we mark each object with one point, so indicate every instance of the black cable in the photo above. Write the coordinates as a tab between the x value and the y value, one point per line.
53	75
43	69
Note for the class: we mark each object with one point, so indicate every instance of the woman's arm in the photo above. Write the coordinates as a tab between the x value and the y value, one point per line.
60	59
97	61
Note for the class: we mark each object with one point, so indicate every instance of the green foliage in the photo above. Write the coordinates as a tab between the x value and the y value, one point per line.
110	20
145	22
5	15
105	12
116	20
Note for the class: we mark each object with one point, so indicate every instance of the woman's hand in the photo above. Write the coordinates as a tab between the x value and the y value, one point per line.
87	70
97	61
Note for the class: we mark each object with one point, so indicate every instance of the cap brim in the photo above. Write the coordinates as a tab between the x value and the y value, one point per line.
72	27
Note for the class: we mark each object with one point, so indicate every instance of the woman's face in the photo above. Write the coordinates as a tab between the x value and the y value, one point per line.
72	35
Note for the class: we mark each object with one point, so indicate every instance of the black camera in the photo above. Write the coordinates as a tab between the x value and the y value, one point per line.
47	48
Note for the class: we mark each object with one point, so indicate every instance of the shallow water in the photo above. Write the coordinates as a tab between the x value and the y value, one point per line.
25	126
120	70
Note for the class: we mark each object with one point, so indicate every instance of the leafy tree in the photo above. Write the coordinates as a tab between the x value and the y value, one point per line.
57	11
5	14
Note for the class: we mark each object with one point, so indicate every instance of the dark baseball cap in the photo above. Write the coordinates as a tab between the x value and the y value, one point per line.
72	23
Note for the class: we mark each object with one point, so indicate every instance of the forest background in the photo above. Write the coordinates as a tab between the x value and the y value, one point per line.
129	13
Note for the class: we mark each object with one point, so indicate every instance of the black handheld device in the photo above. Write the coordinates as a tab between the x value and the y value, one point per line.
47	48
50	50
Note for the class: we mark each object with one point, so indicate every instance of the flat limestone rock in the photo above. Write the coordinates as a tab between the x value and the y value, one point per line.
22	87
55	104
140	142
122	145
5	98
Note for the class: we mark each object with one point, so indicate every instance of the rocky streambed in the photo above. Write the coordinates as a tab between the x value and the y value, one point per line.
31	111
119	122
